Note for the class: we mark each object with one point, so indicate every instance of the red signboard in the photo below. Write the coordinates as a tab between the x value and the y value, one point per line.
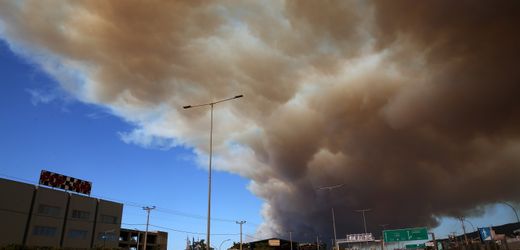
65	182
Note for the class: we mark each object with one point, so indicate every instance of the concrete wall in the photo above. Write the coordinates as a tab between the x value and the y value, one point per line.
57	218
80	222
15	205
162	240
108	224
48	214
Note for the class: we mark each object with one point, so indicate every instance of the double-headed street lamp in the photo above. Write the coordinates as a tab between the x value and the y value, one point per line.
329	188
211	104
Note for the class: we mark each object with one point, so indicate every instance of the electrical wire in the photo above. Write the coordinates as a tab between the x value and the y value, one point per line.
158	209
188	232
128	224
131	204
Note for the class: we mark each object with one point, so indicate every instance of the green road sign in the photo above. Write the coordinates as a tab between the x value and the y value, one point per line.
416	246
406	234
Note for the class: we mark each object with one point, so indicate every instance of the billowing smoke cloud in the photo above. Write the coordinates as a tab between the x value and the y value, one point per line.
412	105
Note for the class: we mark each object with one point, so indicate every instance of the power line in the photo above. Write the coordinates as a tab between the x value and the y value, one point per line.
252	224
133	224
248	235
127	224
131	204
188	232
189	215
140	205
20	179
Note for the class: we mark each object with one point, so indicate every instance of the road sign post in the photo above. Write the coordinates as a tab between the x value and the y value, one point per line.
486	234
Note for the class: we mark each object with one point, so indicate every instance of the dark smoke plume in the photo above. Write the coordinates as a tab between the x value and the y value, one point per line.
412	105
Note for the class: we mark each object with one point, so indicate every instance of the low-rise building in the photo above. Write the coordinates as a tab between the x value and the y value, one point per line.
271	243
134	239
38	216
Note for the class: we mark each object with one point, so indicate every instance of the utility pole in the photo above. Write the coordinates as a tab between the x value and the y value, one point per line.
147	223
334	228
364	220
464	230
241	223
383	235
317	243
290	238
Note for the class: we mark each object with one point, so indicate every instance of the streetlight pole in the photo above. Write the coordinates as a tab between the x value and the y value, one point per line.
514	210
211	104
222	243
330	188
364	220
334	229
290	238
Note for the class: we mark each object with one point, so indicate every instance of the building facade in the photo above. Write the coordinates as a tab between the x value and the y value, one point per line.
39	216
271	243
134	239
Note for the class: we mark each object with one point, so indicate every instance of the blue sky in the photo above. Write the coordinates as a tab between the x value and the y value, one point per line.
59	134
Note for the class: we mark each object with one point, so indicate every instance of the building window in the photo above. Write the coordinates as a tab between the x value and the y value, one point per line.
108	219
78	214
49	210
44	231
108	236
77	234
